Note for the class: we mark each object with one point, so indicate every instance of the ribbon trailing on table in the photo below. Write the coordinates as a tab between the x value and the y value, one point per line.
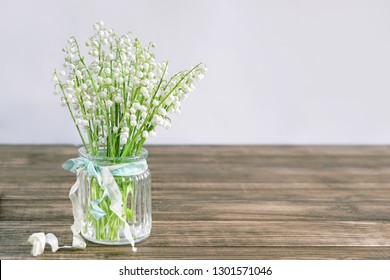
105	178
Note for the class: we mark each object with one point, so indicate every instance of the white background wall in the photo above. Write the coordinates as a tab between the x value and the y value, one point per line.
282	72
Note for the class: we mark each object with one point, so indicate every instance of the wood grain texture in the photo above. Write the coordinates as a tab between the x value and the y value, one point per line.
217	202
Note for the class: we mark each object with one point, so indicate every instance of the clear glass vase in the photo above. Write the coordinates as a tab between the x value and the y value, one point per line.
104	226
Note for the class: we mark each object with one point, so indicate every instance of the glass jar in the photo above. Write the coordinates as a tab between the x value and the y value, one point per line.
100	224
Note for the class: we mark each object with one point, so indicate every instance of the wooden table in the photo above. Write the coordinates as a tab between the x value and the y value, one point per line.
217	202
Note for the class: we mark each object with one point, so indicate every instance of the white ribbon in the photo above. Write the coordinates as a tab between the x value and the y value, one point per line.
115	195
38	240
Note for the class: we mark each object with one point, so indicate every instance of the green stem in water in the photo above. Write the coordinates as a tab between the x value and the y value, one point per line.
108	227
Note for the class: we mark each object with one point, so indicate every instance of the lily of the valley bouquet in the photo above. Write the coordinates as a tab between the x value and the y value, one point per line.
116	100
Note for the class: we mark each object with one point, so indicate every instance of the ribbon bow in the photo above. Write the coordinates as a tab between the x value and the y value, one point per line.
105	178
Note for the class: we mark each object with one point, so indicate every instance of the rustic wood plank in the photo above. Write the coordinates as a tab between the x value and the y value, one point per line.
218	202
254	202
256	253
234	234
